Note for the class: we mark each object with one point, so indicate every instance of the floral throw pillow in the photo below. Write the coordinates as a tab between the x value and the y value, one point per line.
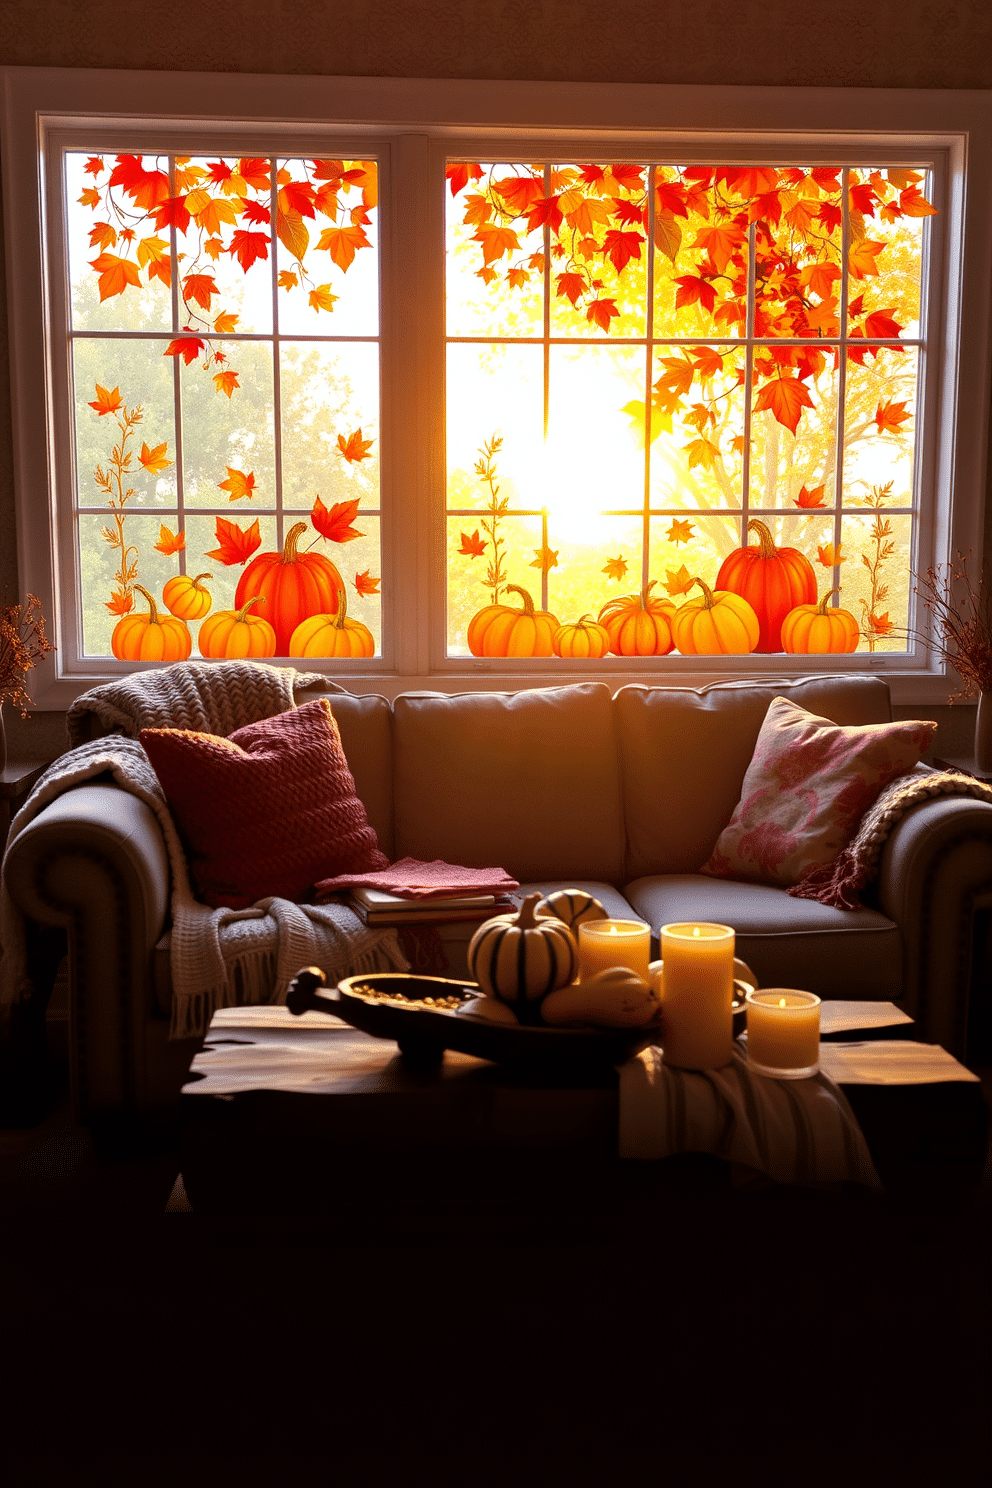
267	811
807	787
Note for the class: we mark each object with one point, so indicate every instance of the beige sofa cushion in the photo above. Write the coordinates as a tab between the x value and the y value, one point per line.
684	753
852	954
527	781
366	725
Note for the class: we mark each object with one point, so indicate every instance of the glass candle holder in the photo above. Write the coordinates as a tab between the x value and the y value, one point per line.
697	1006
606	943
783	1033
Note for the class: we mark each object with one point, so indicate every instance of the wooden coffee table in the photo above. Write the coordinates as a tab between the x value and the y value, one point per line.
290	1114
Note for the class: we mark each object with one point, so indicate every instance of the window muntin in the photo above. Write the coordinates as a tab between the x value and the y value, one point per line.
612	446
224	394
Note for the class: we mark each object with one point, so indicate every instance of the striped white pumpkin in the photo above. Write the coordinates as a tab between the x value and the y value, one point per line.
521	958
574	907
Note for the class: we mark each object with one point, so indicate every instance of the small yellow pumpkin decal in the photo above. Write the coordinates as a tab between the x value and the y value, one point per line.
235	633
149	638
813	630
720	624
332	635
500	630
186	597
585	639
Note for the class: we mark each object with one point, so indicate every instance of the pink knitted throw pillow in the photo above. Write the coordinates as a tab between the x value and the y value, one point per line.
807	787
267	811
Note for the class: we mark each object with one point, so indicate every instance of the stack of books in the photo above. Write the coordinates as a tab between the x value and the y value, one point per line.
378	908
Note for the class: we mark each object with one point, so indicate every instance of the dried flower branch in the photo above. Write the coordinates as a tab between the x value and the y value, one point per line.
22	643
962	630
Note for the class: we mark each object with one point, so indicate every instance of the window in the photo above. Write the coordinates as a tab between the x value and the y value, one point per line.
397	381
608	322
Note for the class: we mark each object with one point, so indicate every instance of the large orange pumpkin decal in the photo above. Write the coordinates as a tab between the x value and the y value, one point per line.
294	586
772	580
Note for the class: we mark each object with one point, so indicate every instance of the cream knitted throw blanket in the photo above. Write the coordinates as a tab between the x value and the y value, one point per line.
219	957
839	883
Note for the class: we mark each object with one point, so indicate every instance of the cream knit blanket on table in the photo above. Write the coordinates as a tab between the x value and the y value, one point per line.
219	957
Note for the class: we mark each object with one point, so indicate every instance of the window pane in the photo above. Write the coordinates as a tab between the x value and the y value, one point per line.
136	373
119	266
880	423
329	397
888	210
496	392
328	247
794	431
697	427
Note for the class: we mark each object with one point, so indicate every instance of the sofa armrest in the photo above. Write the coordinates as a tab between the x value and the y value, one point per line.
94	862
935	875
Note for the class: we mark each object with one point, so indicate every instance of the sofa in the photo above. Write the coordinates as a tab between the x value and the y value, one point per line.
623	795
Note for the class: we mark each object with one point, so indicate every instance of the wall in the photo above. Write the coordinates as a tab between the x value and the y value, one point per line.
838	43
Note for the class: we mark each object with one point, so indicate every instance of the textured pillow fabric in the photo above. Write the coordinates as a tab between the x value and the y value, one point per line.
807	787
267	811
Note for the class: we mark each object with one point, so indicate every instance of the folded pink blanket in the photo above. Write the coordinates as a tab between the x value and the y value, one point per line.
411	879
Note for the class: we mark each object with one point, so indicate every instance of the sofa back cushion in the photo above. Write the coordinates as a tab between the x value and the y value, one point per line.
685	751
528	781
366	725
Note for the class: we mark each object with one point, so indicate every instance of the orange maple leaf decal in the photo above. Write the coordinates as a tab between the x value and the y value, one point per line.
354	448
620	247
881	324
693	289
862	258
94	166
828	555
225	382
366	584
806	498
238	484
115	274
459	175
236	543
545	558
89	198
107	402
154	459
121	602
679	532
321	298
472	546
287	279
707	362
785	397
495	242
890	416
615	568
914	204
881	624
201	288
102	235
342	243
571	286
678	379
188	347
247	246
702	452
335	524
680	582
601	312
169	541
225	321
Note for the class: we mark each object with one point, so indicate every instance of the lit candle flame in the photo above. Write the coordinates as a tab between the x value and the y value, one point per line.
781	1002
695	931
613	929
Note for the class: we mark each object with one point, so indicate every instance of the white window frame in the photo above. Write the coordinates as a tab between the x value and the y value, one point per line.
414	126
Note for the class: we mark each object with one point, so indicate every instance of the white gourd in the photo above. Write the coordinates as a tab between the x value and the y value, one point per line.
613	998
574	907
521	958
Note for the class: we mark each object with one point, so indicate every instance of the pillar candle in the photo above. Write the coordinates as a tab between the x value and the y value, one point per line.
783	1032
698	1000
605	943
